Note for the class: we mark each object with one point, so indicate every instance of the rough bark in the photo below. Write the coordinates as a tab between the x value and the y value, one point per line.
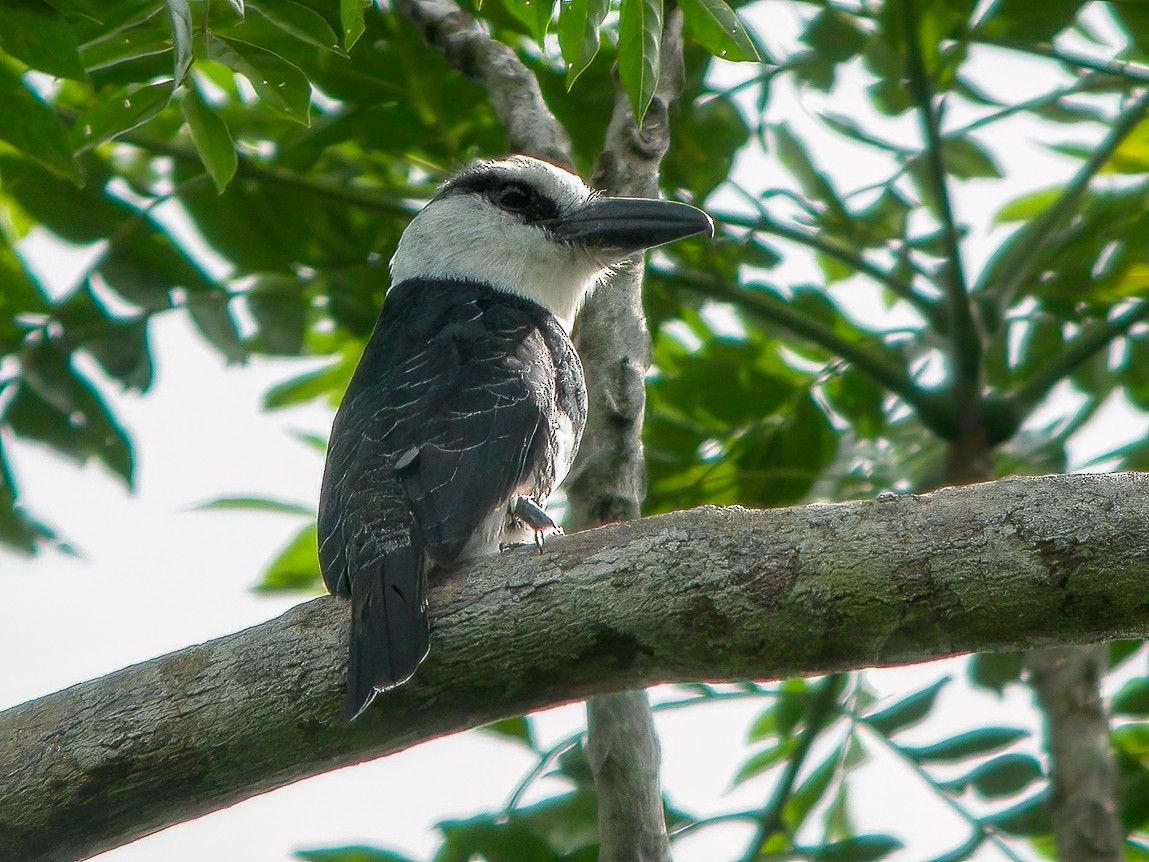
1086	820
512	88
609	479
623	750
710	594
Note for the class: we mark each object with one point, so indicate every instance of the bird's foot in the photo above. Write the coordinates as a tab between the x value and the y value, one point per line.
535	516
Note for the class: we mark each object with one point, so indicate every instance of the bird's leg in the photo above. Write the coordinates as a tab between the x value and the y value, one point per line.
534	516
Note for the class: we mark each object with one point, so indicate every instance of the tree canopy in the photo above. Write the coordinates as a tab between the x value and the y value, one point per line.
884	308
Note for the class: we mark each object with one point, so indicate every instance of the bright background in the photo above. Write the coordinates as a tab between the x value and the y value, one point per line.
155	575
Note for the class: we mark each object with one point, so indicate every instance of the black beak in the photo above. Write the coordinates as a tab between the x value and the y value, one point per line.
629	225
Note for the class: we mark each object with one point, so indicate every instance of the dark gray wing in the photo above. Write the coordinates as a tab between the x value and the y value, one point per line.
445	418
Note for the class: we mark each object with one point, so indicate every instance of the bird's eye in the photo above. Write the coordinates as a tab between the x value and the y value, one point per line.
514	197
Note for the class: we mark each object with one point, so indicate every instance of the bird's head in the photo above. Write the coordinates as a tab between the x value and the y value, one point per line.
536	230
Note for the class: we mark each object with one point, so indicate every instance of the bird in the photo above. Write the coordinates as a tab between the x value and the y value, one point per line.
467	406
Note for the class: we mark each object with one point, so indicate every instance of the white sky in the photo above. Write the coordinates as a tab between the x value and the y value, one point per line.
157	576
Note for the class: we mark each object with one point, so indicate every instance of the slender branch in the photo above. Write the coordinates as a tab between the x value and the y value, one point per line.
830	248
977	827
1134	73
760	302
822	709
546	758
1032	240
750	815
1080	86
712	594
1088	344
961	326
512	88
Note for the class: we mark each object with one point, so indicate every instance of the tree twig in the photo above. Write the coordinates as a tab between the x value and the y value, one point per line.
1027	245
961	325
512	88
820	712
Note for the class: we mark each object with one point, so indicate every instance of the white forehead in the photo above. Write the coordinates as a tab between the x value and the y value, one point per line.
463	235
558	184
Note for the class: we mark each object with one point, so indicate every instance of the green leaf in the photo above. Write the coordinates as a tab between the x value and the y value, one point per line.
859	399
121	110
21	295
280	311
1029	21
212	316
1030	817
313	441
640	52
122	349
906	712
1005	775
38	35
810	792
301	22
973	743
782	717
256	504
1119	651
330	382
180	13
535	15
1133	699
795	157
280	84
518	728
863	848
33	128
762	761
1132	154
352	854
720	31
143	265
966	159
579	23
58	406
994	671
351	17
834	35
211	138
1132	739
109	50
19	532
297	566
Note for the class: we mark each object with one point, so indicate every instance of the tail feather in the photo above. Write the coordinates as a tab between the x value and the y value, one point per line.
390	632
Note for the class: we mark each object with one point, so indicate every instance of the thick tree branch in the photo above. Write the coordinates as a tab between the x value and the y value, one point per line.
711	594
512	88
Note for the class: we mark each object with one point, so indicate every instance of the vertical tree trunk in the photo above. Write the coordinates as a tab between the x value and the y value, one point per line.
609	479
1067	682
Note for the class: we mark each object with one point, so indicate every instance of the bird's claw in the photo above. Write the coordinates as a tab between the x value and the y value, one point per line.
535	516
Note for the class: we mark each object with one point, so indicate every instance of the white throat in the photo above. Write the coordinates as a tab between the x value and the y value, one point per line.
465	237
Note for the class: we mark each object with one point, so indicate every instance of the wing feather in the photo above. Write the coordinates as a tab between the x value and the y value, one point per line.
446	418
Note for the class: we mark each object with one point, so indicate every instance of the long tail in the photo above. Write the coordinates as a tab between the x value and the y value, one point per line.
390	631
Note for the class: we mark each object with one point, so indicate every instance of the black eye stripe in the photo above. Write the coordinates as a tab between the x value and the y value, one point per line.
514	196
506	192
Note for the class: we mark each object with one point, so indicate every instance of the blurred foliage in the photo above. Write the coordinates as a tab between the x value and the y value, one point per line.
857	326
